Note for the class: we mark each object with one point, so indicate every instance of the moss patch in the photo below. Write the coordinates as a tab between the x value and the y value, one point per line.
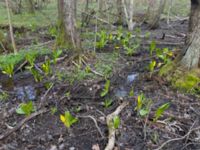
187	81
184	80
167	68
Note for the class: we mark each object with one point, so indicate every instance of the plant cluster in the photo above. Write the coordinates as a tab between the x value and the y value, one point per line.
144	104
120	39
163	56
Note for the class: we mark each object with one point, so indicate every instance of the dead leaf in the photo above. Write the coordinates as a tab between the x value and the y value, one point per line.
96	147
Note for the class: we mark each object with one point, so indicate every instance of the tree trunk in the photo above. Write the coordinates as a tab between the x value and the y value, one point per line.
128	11
191	58
30	5
155	9
68	35
11	28
101	5
119	12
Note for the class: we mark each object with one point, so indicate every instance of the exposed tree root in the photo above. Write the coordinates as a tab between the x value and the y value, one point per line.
111	130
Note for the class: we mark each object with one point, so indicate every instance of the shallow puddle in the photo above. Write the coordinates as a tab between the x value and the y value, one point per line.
131	78
25	93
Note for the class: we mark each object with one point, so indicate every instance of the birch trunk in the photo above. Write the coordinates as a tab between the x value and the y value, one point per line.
128	11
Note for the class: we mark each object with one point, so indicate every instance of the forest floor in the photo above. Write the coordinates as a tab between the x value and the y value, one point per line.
43	129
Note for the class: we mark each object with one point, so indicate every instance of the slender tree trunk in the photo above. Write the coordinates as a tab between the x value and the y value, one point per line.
128	11
155	9
101	5
11	28
191	58
131	23
68	34
30	5
119	12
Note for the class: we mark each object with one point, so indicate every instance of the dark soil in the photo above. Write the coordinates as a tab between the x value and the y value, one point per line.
46	131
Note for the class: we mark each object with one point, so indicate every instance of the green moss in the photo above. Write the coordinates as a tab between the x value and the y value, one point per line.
167	68
63	40
184	80
187	81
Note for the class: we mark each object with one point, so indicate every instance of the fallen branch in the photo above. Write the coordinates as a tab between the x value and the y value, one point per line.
43	99
164	43
58	60
20	124
99	19
111	130
97	73
39	45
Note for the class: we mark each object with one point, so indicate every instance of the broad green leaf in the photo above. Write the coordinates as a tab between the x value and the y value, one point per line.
116	122
25	108
139	102
143	112
106	88
152	65
152	47
68	119
107	103
161	110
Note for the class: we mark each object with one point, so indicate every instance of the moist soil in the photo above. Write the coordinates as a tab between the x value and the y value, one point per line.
47	132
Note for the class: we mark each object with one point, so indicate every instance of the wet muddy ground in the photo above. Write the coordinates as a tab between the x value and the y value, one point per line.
46	131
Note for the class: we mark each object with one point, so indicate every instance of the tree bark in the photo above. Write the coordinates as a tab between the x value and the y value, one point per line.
191	57
30	5
68	34
11	28
155	9
128	11
119	12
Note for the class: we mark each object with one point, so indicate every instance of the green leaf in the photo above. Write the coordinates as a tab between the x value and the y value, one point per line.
31	59
116	122
25	108
46	67
131	93
56	54
152	65
139	102
8	69
161	110
106	88
68	119
37	76
152	47
107	103
143	112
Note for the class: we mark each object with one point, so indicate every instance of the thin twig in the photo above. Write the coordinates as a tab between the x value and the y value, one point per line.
45	95
177	139
97	18
97	73
96	124
11	28
21	123
1	44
